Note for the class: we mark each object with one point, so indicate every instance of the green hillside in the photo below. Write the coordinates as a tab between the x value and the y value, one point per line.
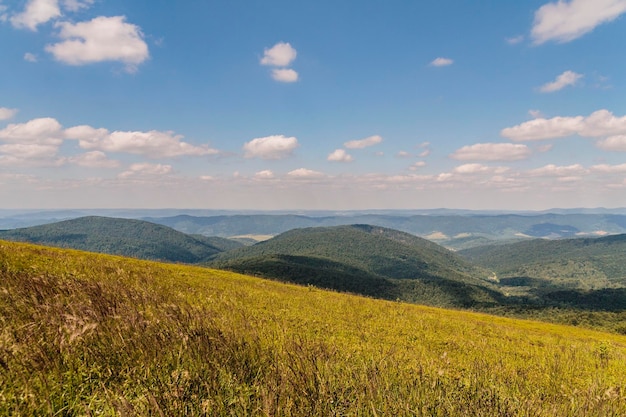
91	334
134	238
583	273
368	260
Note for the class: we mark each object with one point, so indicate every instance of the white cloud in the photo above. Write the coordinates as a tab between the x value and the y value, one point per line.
270	147
303	173
492	152
94	159
597	124
285	75
565	21
340	155
613	143
30	57
535	114
417	165
100	39
35	13
552	170
441	62
363	143
6	113
29	151
143	170
424	153
43	131
562	81
280	55
608	169
264	175
76	5
515	40
153	144
403	154
471	169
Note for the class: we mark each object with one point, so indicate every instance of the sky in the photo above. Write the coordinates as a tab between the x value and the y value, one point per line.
277	104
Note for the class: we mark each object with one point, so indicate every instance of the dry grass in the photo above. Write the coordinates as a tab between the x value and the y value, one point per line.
86	334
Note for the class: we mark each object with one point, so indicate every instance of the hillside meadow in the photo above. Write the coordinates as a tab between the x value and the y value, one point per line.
88	334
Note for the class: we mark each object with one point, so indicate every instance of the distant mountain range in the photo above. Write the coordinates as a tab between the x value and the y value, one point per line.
453	231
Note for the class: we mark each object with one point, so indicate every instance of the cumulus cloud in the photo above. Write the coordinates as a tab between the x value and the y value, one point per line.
562	81
270	147
608	169
280	55
613	143
145	170
471	169
264	175
597	124
363	143
153	144
492	152
441	62
552	170
6	113
417	165
43	131
565	21
303	173
98	40
515	40
35	13
30	57
403	154
29	151
340	155
94	159
76	5
285	75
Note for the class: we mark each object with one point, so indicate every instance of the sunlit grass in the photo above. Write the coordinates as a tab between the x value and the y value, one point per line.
86	334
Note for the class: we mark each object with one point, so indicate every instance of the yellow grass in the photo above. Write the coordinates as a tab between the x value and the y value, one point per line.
93	334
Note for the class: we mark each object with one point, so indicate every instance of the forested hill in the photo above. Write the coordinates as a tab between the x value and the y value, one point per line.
133	238
586	263
368	260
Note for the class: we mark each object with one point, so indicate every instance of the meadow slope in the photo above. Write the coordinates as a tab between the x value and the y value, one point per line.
89	334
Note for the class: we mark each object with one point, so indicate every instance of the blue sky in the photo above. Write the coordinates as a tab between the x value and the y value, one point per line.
312	105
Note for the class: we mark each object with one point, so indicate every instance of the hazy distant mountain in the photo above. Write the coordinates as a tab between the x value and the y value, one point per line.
453	231
134	238
368	260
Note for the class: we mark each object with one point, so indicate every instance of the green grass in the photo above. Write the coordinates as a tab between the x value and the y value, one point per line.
87	334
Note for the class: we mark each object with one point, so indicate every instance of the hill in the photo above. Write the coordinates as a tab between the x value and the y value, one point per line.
367	260
571	271
134	238
85	333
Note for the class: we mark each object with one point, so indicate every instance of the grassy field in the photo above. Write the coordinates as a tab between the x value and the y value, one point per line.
87	334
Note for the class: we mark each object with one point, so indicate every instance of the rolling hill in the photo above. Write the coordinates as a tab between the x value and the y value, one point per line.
587	273
368	260
134	238
86	333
